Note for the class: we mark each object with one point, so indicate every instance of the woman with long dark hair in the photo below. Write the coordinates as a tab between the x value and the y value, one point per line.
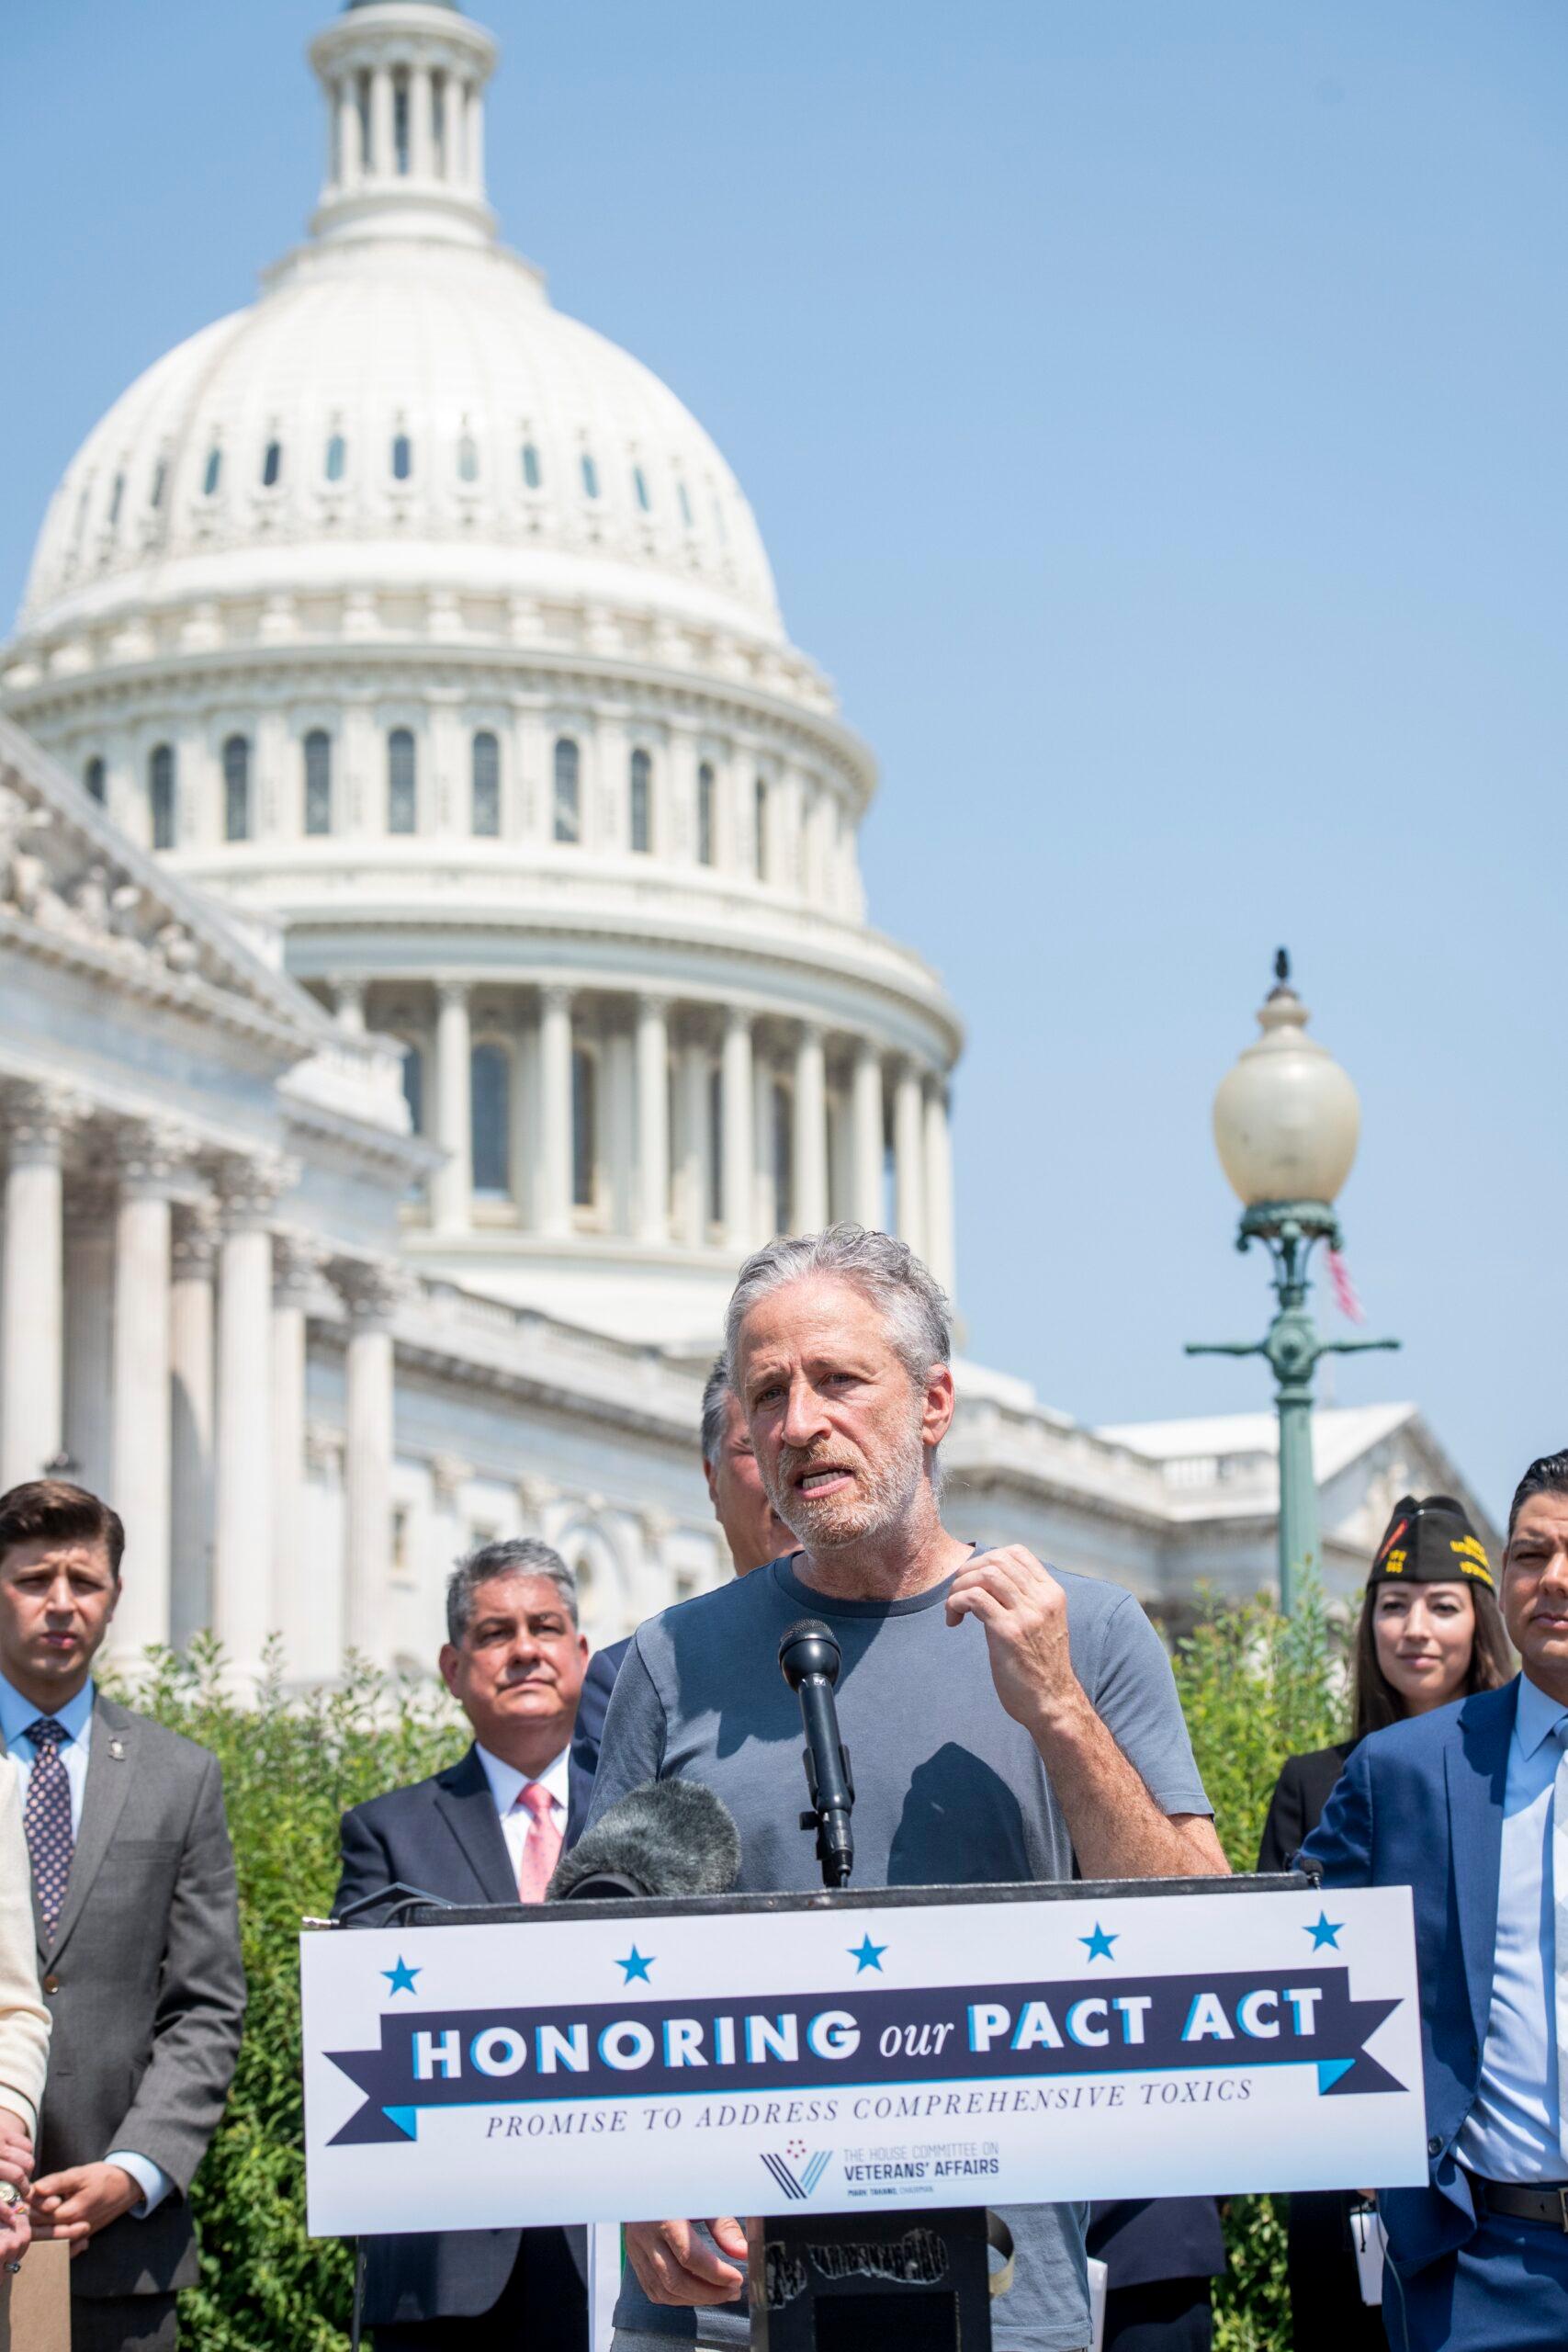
1430	1632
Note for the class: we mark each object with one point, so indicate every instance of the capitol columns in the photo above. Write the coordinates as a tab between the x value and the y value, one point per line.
810	1131
453	1184
193	1393
737	1173
32	1304
939	1184
297	1263
908	1156
697	1174
421	123
153	1164
350	159
869	1156
653	1118
370	1289
555	1110
248	1191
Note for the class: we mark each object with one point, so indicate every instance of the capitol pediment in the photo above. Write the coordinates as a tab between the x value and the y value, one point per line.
74	890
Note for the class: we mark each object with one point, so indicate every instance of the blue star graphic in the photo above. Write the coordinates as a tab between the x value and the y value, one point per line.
1099	1943
1324	1931
636	1965
401	1978
865	1954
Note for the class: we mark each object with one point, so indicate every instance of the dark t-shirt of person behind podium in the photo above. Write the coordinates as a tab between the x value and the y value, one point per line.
950	1791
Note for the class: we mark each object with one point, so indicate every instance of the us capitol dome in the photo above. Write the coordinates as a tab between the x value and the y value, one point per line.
423	625
433	951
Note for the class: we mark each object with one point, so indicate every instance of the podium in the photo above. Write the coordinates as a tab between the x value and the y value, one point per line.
890	2053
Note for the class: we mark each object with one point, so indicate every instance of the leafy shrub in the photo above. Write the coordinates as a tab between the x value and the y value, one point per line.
290	1768
1256	1689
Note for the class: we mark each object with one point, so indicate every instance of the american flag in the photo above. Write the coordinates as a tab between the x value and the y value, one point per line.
1346	1297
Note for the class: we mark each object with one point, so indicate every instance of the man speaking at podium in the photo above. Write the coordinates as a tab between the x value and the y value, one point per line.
1001	1717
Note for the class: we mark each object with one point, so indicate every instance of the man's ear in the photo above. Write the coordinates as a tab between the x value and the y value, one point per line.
711	1476
447	1662
938	1405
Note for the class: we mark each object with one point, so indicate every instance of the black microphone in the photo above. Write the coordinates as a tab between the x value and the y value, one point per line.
667	1838
809	1660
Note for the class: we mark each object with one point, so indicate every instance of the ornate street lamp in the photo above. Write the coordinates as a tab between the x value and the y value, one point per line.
1286	1125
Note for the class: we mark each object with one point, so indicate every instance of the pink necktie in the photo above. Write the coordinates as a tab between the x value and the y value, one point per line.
542	1851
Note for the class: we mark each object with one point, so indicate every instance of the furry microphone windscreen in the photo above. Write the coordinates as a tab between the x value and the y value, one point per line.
668	1838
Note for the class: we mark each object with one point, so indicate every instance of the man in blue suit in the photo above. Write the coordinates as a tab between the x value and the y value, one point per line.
753	1533
1469	1806
489	1829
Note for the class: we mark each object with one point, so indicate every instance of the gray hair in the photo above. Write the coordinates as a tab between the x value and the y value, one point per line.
521	1556
716	1393
913	1304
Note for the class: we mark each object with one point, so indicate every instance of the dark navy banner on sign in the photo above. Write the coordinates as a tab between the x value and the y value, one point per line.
991	2032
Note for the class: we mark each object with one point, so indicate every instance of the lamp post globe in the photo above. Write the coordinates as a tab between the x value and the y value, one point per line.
1287	1121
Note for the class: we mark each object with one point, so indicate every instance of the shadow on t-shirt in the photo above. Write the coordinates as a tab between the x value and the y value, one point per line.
939	1841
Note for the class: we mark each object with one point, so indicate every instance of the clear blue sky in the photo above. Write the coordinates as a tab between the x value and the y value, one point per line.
1154	414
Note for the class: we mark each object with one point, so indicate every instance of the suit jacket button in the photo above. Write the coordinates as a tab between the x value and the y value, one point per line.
51	1984
1434	2147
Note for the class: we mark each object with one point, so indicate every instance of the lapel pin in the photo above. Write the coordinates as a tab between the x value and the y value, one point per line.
116	1749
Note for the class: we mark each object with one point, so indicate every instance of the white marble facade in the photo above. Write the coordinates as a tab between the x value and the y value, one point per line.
433	951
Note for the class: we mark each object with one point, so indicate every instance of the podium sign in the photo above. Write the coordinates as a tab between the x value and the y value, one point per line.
919	2048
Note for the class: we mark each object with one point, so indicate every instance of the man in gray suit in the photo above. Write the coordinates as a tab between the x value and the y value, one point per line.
137	1928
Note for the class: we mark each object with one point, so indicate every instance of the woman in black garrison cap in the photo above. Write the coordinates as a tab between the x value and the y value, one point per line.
1430	1632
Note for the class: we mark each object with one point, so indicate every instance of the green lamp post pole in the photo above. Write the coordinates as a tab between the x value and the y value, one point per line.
1286	1123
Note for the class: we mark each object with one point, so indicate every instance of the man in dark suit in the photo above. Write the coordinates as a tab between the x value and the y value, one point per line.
754	1531
1467	1805
138	1930
487	1830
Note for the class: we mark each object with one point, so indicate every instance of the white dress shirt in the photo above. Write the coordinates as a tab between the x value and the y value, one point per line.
1511	2132
76	1717
507	1784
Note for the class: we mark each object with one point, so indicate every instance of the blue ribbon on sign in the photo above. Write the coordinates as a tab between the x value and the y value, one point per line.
978	2034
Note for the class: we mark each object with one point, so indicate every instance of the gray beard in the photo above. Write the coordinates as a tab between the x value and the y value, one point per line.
871	1509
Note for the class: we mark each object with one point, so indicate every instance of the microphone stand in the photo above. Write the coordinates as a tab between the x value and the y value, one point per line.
809	1660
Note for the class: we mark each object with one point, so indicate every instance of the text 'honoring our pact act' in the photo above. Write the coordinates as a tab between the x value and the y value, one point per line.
515	2055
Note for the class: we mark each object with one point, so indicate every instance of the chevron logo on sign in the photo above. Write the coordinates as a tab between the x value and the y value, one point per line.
799	2185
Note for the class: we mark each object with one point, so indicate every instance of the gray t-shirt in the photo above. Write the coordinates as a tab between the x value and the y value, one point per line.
949	1791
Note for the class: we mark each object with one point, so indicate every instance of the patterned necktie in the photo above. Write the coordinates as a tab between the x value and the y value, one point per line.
1560	1922
47	1819
542	1851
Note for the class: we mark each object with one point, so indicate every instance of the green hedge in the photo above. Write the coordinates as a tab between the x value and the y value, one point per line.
1255	1690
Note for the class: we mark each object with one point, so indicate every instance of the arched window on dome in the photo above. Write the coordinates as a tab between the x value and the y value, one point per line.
685	502
402	457
640	483
486	783
533	473
402	798
468	459
95	778
761	824
414	1087
237	788
161	795
212	473
318	781
590	476
271	465
568	791
490	1099
160	477
708	813
336	460
584	1129
640	811
116	493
